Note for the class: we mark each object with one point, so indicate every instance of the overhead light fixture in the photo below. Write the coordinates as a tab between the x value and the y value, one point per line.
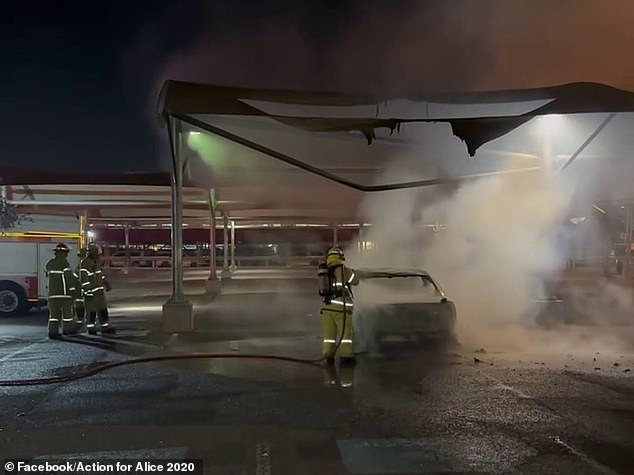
550	123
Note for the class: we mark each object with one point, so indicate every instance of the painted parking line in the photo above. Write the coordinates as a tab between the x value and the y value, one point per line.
21	350
263	459
500	385
585	457
153	453
442	454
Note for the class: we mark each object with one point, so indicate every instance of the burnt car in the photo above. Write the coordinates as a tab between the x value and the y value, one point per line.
400	305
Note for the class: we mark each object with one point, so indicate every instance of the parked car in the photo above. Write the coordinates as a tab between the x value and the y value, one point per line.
137	259
398	305
163	258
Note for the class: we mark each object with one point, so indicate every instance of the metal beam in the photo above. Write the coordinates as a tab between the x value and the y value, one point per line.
332	177
588	141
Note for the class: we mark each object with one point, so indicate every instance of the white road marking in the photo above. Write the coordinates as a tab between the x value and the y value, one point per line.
263	459
156	453
506	387
21	350
586	458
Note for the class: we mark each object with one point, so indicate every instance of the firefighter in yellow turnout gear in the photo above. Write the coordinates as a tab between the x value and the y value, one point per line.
61	285
336	314
94	285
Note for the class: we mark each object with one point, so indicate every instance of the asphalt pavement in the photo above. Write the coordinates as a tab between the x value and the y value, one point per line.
443	408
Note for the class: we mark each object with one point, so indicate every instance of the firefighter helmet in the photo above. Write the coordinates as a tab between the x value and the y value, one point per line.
93	250
61	247
335	251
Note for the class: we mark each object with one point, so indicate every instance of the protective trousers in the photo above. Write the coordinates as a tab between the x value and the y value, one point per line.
60	314
333	325
104	320
80	311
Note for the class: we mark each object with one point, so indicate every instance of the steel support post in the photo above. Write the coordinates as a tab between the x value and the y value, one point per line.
225	242
226	273
85	229
212	235
177	311
126	237
213	283
178	295
233	245
629	224
335	240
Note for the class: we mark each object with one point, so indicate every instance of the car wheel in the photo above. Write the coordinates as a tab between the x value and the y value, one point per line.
12	299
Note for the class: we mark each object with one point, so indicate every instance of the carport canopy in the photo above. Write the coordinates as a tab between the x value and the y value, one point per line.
301	155
318	153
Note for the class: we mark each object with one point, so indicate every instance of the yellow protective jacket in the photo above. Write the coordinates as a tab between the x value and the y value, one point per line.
61	280
93	281
344	278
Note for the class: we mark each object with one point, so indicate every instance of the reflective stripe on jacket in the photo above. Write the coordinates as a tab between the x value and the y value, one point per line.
344	278
61	280
91	277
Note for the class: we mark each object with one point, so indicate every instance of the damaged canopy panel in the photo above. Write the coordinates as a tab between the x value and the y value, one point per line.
326	112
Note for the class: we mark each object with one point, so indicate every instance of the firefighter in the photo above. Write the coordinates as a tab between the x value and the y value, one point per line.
336	314
78	294
61	284
94	285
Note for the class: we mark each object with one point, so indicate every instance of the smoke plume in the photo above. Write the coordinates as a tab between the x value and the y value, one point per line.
491	244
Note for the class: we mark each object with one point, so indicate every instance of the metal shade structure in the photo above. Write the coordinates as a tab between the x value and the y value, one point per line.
297	150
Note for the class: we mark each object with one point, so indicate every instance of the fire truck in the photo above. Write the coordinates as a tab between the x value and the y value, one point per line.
24	252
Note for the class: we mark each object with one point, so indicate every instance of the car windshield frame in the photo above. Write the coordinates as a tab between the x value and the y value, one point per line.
376	275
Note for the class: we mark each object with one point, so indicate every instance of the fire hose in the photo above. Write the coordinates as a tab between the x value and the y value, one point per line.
177	357
150	359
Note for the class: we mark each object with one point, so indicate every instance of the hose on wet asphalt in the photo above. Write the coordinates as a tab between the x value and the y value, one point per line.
186	356
151	359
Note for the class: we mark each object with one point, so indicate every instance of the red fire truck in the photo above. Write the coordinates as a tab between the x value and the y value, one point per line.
24	252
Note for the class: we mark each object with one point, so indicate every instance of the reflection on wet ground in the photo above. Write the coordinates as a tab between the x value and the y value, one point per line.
483	406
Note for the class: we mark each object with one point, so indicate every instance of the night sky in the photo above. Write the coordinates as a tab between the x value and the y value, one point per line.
78	85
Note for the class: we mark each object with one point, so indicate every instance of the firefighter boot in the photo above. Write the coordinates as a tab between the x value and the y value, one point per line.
92	319
53	329
330	376
106	327
80	315
54	318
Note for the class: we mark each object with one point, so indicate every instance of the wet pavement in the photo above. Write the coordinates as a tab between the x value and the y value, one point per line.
437	409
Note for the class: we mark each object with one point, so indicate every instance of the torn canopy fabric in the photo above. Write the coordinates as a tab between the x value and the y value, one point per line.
481	117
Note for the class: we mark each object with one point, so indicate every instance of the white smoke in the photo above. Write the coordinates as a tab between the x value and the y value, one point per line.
491	244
